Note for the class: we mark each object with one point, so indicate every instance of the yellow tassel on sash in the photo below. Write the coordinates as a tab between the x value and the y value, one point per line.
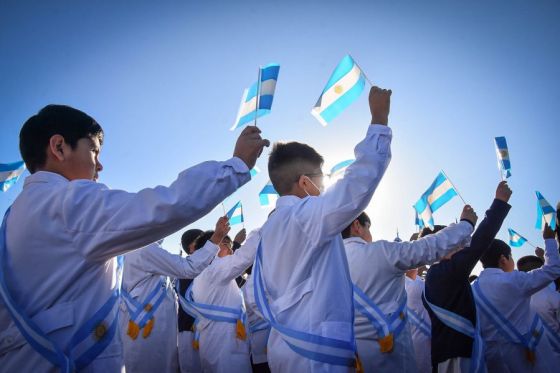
148	328
195	344
240	330
386	343
531	356
133	330
358	365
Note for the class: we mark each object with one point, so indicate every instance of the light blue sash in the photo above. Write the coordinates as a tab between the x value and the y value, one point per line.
315	347
142	312
88	341
463	326
418	322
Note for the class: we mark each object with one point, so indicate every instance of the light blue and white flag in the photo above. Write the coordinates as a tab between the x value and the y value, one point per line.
235	214
502	152
545	213
344	87
268	195
338	169
515	239
439	193
263	91
254	171
10	173
417	220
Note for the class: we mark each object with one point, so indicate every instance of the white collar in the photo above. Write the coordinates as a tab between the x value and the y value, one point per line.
44	177
357	240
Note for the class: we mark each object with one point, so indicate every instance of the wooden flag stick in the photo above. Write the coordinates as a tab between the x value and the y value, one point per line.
453	185
363	72
258	96
223	209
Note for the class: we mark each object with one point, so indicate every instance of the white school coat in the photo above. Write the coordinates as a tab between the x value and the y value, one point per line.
259	338
62	237
143	271
378	269
220	350
422	343
510	293
305	271
546	303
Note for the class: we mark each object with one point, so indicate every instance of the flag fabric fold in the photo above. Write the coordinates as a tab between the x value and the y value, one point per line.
343	88
235	214
515	239
545	213
439	193
339	168
264	92
10	173
502	152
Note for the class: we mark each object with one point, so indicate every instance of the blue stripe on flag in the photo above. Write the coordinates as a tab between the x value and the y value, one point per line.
11	166
270	72
251	117
342	69
344	101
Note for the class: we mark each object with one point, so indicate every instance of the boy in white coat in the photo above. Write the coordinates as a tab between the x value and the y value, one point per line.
150	340
504	294
302	265
377	269
61	277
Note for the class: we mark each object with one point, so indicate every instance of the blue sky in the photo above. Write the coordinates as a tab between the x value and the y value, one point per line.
165	79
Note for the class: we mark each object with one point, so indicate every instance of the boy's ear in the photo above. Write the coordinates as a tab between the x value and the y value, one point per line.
56	147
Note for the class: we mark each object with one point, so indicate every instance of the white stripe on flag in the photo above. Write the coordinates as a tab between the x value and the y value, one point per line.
339	88
440	191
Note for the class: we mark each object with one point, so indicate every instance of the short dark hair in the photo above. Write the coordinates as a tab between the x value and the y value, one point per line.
70	123
529	262
414	236
288	161
189	237
426	231
363	218
491	257
202	239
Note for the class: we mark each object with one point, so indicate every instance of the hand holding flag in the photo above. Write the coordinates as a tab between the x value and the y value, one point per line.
379	105
235	214
249	145
502	152
545	213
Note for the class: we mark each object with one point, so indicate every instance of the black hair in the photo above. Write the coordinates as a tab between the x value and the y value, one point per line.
426	231
204	237
189	237
70	123
414	236
529	262
491	257
288	161
363	218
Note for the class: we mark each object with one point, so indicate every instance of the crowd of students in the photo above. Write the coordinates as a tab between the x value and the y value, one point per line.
86	285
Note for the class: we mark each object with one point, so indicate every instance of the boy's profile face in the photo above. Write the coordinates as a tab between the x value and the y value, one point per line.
83	161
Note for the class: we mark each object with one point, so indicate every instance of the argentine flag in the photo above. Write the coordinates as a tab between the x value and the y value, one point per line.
248	109
515	239
10	173
504	164
344	87
339	168
268	195
235	214
545	213
439	193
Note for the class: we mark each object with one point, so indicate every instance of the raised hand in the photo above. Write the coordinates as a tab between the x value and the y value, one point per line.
379	105
222	229
503	192
249	145
240	236
469	214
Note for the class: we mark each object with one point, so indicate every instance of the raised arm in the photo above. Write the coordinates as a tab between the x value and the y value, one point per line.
426	250
234	265
327	215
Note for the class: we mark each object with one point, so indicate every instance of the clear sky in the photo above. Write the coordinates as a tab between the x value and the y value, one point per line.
165	79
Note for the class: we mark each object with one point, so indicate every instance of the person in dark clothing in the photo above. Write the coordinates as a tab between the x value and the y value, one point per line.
188	357
448	287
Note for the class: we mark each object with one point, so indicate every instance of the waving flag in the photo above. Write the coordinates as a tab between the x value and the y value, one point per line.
515	239
254	171
502	153
417	220
268	195
10	173
265	93
339	168
545	213
439	193
344	87
235	214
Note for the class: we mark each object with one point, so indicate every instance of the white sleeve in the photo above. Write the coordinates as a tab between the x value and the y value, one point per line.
156	260
325	216
429	249
537	279
234	265
105	223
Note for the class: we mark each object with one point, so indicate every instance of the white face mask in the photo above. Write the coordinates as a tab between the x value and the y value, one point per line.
316	187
